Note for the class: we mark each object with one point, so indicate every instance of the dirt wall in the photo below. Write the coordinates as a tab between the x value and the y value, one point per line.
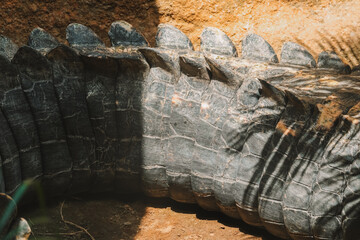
317	24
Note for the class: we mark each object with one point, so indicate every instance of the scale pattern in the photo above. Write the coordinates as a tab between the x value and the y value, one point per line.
276	145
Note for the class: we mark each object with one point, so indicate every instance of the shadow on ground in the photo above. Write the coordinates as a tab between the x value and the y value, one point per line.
110	217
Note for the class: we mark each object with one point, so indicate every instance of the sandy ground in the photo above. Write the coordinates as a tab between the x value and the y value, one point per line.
141	218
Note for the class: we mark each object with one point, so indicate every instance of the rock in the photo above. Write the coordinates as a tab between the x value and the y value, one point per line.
255	47
293	53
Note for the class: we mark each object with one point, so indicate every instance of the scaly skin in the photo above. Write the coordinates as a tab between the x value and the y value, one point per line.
274	144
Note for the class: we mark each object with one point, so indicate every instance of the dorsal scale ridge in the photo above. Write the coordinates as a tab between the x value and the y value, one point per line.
123	34
171	37
194	66
42	41
8	48
215	41
332	61
79	35
162	59
255	47
293	53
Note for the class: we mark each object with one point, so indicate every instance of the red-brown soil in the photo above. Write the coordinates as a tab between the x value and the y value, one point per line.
317	24
141	218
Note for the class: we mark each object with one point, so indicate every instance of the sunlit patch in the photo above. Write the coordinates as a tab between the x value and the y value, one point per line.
204	106
328	82
176	99
355	111
353	120
285	130
307	88
329	113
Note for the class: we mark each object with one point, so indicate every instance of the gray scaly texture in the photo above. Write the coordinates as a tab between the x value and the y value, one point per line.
276	145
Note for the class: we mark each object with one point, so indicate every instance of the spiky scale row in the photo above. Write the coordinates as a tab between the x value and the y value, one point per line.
170	37
8	47
79	35
42	41
331	60
255	47
123	34
217	42
205	129
293	53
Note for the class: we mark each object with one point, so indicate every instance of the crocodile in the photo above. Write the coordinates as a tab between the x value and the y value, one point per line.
274	143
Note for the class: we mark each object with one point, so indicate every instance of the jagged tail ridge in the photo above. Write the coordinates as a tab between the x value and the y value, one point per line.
215	41
222	71
42	41
79	35
255	48
276	145
194	66
7	47
170	37
331	60
168	61
293	53
123	34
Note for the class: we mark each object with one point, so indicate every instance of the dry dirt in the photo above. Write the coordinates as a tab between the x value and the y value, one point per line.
109	218
317	24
